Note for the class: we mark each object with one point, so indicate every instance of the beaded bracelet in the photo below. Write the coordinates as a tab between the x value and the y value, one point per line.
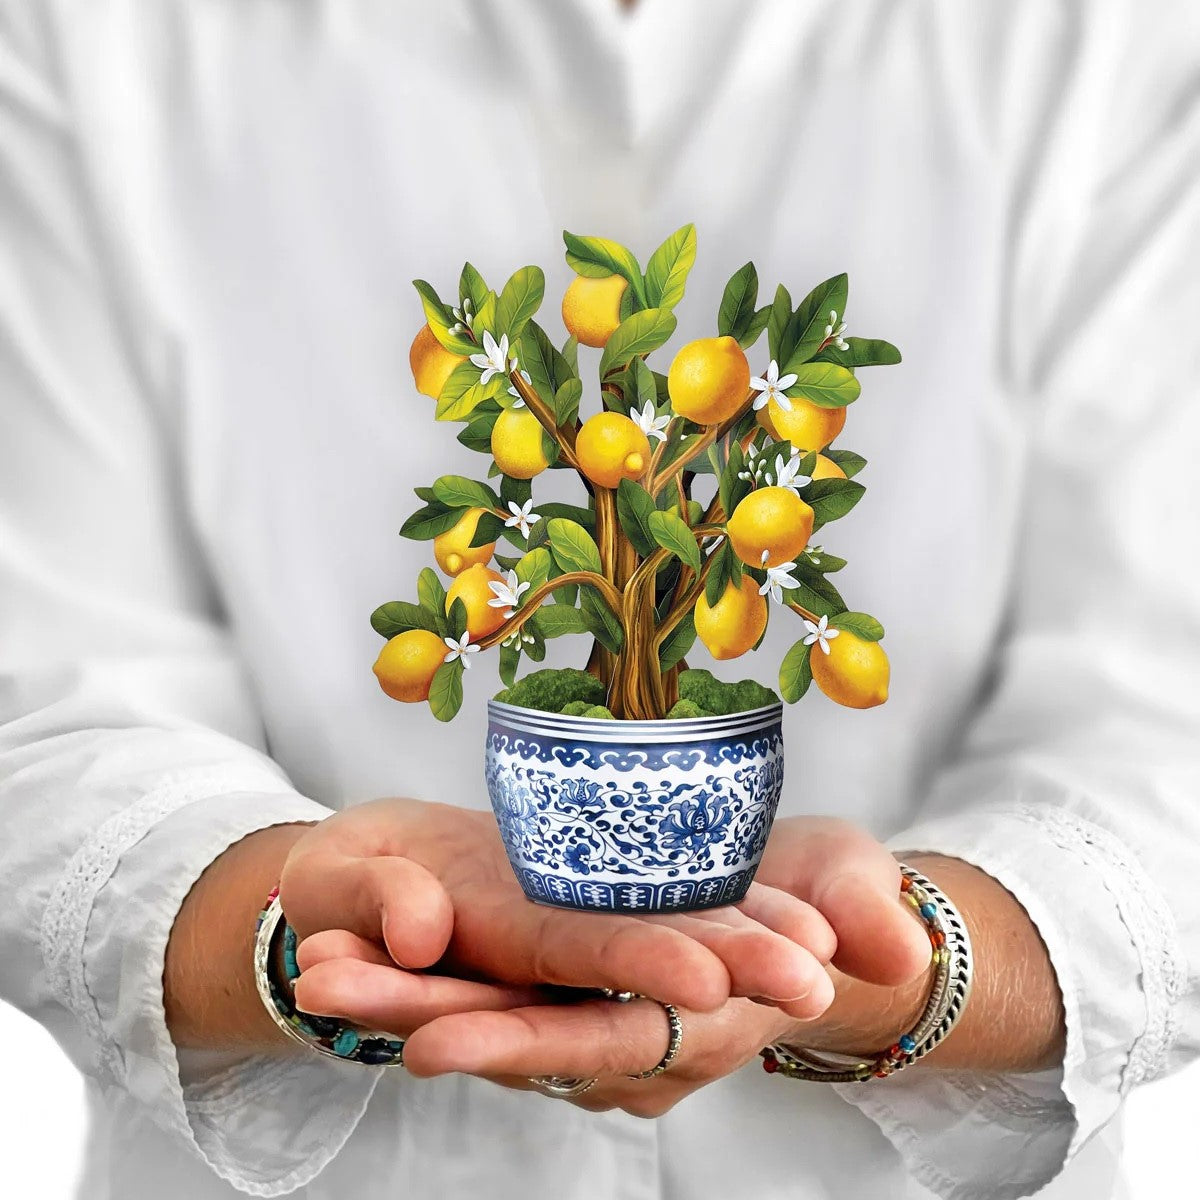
948	994
326	1035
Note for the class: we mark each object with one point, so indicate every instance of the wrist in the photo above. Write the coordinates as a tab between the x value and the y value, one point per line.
208	982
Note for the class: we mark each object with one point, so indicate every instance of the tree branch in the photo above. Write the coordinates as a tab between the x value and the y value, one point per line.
537	597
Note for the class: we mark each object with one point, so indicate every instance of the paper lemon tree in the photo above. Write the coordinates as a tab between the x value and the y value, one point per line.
701	487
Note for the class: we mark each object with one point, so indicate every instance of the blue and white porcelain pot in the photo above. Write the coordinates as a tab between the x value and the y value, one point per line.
634	816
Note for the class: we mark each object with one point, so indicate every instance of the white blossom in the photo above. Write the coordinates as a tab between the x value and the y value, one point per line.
820	633
522	517
770	387
812	554
519	638
494	359
834	331
778	579
787	474
460	649
507	593
649	423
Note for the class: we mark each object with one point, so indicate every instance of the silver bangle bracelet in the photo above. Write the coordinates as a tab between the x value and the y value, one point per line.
948	995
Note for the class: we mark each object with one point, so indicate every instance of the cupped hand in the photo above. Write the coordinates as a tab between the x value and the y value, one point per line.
430	884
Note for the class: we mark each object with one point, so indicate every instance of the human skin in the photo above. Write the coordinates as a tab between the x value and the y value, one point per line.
850	957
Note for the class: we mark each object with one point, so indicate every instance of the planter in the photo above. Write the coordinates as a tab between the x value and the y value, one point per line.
634	816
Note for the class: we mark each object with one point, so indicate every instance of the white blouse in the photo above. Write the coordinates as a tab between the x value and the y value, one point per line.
211	213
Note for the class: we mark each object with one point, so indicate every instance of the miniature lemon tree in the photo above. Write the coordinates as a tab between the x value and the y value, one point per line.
701	487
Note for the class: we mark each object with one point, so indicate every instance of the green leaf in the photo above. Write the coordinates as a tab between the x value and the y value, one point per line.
754	330
862	625
644	390
456	617
737	302
777	321
862	352
458	491
825	384
572	545
489	528
566	402
828	564
399	616
438	316
824	596
477	435
446	691
514	491
520	299
667	271
677	643
462	393
731	489
807	328
635	506
831	498
534	568
536	650
600	621
570	354
597	257
510	660
850	462
547	368
426	523
472	287
431	595
555	620
718	575
640	334
795	672
671	532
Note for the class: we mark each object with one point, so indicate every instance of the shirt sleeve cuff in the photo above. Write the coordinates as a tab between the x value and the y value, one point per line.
249	1117
976	1135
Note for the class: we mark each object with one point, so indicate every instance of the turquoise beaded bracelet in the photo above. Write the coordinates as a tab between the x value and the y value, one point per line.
326	1035
948	995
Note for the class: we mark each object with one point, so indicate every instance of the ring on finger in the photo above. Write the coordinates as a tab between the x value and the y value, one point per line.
674	1041
564	1087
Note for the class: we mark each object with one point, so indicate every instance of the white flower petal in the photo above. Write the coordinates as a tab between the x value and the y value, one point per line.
787	381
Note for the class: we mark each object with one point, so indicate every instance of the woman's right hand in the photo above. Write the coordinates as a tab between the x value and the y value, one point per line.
428	887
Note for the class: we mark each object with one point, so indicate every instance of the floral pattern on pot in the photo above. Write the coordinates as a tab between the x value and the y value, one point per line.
636	816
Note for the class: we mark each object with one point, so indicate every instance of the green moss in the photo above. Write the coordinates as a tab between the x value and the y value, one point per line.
599	713
716	696
683	709
553	688
577	708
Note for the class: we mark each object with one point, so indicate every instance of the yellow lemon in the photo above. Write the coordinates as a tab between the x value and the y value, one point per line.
432	364
517	444
610	448
471	587
764	419
709	380
453	549
735	623
591	308
826	468
407	664
807	426
854	672
773	521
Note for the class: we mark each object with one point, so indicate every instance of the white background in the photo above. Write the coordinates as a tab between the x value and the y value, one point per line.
42	1123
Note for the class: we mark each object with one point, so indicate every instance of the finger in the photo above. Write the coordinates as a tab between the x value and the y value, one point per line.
339	943
383	997
501	935
591	1038
855	882
760	962
380	898
791	917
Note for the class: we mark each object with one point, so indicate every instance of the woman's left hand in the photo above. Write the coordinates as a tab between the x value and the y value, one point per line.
609	1041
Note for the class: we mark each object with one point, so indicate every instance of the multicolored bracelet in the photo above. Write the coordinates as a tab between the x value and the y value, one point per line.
948	995
326	1035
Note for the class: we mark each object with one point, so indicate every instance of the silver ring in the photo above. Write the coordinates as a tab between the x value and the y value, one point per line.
674	1042
563	1087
